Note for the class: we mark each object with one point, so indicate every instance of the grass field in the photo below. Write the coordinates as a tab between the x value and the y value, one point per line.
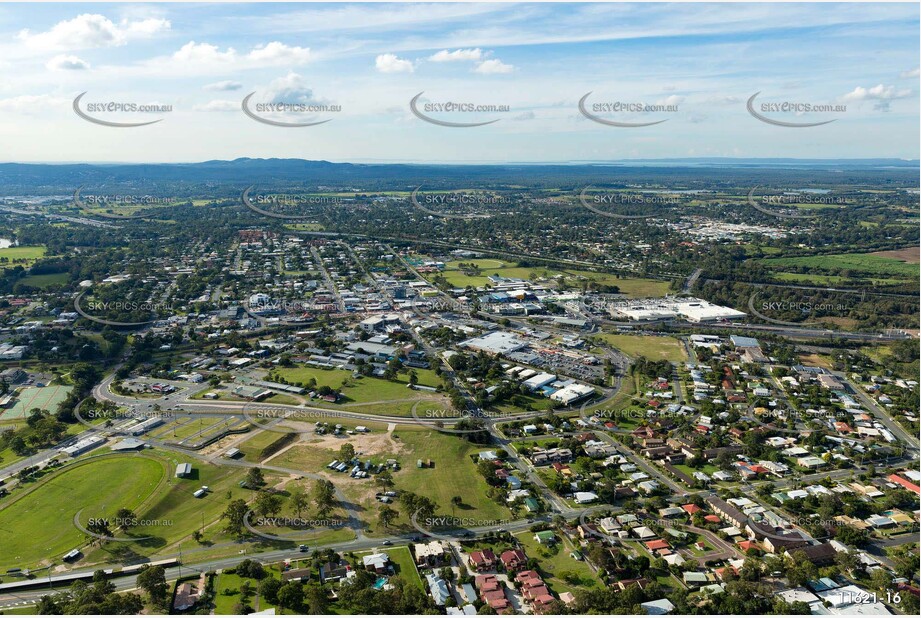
368	394
38	522
633	287
561	572
867	264
40	517
21	255
45	281
653	348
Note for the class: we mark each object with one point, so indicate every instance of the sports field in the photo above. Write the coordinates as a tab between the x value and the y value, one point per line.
653	348
45	398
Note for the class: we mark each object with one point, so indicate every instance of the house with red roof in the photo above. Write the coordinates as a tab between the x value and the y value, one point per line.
898	480
483	560
656	545
513	559
690	509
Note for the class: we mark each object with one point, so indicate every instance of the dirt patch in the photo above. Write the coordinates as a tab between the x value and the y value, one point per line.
912	255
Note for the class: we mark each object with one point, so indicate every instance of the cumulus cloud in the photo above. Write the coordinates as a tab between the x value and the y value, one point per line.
64	62
292	88
218	105
911	73
457	55
91	30
389	63
493	67
272	54
882	95
224	86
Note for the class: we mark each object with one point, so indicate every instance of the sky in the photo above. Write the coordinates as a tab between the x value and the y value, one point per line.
355	68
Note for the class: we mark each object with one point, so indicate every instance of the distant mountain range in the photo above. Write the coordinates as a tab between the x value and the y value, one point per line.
47	179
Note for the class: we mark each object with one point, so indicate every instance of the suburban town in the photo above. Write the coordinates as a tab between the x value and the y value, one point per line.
606	386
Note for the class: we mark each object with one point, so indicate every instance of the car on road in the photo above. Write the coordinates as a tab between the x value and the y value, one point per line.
302	548
387	543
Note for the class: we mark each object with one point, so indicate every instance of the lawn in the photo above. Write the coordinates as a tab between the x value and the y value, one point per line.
21	255
403	564
45	281
38	522
368	394
453	474
652	347
561	572
633	287
864	263
227	594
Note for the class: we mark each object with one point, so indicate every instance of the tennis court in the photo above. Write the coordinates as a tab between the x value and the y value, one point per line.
44	397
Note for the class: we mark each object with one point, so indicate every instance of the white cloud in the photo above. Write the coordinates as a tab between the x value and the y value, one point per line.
457	55
882	95
876	93
223	86
88	30
64	62
204	53
218	105
492	67
389	63
277	53
198	55
290	89
910	74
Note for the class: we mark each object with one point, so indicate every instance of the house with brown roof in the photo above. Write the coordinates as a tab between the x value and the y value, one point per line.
483	560
513	559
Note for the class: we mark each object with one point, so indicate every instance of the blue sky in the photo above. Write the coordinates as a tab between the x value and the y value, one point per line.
701	61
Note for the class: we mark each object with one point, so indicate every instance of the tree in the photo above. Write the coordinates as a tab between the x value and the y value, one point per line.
152	580
384	479
267	503
291	595
254	478
268	589
299	500
456	501
235	514
125	518
324	495
317	602
386	516
347	452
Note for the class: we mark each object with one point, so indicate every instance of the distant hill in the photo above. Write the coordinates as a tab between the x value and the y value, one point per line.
47	179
